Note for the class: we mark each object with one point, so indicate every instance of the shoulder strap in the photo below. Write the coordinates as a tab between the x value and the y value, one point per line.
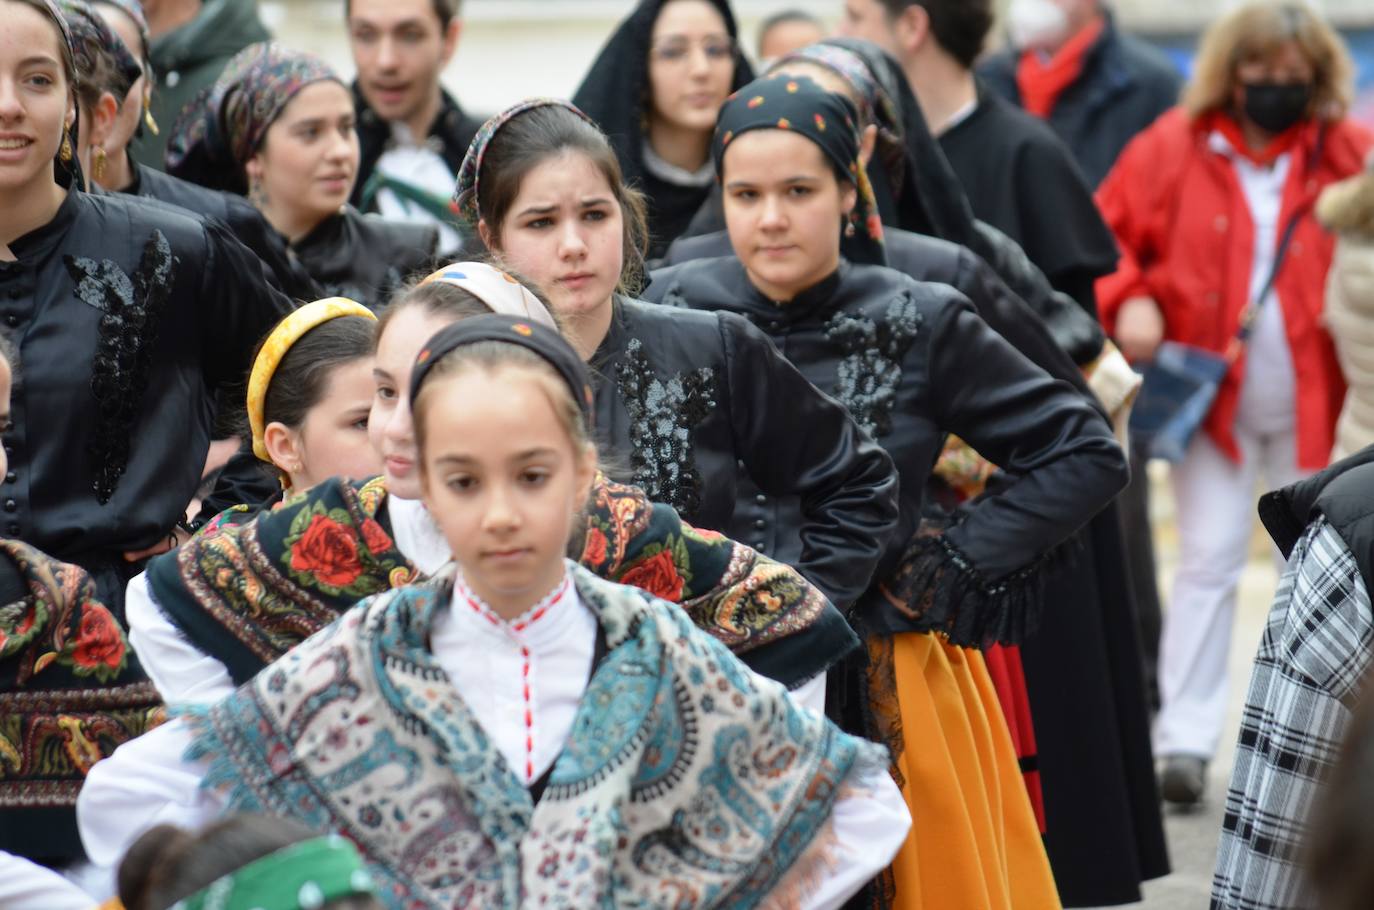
1252	309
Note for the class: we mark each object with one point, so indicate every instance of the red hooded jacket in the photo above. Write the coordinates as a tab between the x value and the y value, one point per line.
1187	240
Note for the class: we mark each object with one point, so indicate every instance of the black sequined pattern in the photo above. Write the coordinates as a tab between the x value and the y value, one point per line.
662	417
871	370
128	331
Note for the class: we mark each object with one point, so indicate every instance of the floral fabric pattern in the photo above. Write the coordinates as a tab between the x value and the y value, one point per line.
71	691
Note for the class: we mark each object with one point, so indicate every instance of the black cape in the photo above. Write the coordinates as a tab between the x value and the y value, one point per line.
1021	179
614	94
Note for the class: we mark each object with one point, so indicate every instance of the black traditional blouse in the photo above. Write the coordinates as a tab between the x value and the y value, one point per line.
236	213
366	257
696	404
128	317
913	363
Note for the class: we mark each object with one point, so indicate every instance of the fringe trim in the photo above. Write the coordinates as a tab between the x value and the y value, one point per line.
938	588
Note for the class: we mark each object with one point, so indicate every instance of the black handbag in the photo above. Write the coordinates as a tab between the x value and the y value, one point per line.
1182	380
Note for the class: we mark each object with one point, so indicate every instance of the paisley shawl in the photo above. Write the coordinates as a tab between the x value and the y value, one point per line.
686	781
250	588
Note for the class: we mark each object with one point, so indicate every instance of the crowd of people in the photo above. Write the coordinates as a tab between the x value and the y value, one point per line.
713	490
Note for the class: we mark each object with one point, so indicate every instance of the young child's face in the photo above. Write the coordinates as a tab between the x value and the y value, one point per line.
503	479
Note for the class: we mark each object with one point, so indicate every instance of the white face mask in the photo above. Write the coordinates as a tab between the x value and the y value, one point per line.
1037	24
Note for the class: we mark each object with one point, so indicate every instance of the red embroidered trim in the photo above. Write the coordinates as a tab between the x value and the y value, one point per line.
531	617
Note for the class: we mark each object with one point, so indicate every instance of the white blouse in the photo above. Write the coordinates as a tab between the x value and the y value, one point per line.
146	782
25	885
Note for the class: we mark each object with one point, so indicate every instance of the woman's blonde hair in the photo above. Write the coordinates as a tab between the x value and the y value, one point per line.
1256	31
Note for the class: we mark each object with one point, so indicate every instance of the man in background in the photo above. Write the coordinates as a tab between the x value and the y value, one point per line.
787	31
190	42
1095	85
411	133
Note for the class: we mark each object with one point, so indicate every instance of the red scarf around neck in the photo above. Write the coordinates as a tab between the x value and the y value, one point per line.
1228	126
1042	81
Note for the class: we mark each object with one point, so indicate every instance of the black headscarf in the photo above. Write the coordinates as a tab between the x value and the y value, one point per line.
799	105
615	93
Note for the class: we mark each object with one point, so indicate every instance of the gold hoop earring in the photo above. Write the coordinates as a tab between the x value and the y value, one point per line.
98	165
65	153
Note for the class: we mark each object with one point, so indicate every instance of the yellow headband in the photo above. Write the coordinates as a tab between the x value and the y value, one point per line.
287	333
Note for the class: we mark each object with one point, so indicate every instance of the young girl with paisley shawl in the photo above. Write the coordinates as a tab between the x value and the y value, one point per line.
232	600
516	731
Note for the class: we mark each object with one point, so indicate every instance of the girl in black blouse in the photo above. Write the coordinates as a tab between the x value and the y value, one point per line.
278	125
913	363
127	318
690	401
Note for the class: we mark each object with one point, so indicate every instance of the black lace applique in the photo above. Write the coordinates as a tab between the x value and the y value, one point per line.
662	417
128	331
871	371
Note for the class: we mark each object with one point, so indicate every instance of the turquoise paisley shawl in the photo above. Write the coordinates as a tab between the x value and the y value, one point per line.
687	781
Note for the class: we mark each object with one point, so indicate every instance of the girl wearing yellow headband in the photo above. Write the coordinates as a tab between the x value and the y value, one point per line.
310	393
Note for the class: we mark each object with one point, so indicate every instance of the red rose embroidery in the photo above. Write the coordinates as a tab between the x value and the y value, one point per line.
657	575
99	640
594	553
376	539
329	552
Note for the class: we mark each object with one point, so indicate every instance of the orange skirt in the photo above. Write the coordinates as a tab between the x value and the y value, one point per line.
974	841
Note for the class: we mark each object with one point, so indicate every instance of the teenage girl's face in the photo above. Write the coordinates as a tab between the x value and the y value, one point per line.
389	426
333	438
691	65
504	481
784	210
35	104
309	158
565	232
131	105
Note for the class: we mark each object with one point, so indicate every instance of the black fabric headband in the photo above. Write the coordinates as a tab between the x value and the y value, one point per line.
542	340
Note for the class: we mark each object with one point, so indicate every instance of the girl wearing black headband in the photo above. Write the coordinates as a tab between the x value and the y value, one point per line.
687	400
128	319
526	733
913	364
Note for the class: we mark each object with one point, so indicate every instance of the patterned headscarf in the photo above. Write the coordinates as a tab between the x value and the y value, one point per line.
799	105
93	38
134	10
303	876
499	290
466	194
223	127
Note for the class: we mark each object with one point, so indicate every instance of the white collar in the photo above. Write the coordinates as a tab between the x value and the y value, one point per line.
417	535
545	622
663	170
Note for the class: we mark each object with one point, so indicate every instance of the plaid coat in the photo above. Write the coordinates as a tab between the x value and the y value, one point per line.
1317	648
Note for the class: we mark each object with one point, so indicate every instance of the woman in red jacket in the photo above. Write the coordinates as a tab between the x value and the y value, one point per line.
1199	202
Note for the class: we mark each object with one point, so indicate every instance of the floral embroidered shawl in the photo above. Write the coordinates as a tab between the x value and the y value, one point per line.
686	781
251	587
71	691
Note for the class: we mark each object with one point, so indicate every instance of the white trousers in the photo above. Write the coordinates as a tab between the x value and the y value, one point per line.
1215	513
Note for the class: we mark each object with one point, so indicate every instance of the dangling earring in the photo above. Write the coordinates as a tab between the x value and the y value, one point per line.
849	229
98	165
148	117
256	194
65	153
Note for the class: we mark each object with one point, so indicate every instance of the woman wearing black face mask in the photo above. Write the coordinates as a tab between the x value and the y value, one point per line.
1201	204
